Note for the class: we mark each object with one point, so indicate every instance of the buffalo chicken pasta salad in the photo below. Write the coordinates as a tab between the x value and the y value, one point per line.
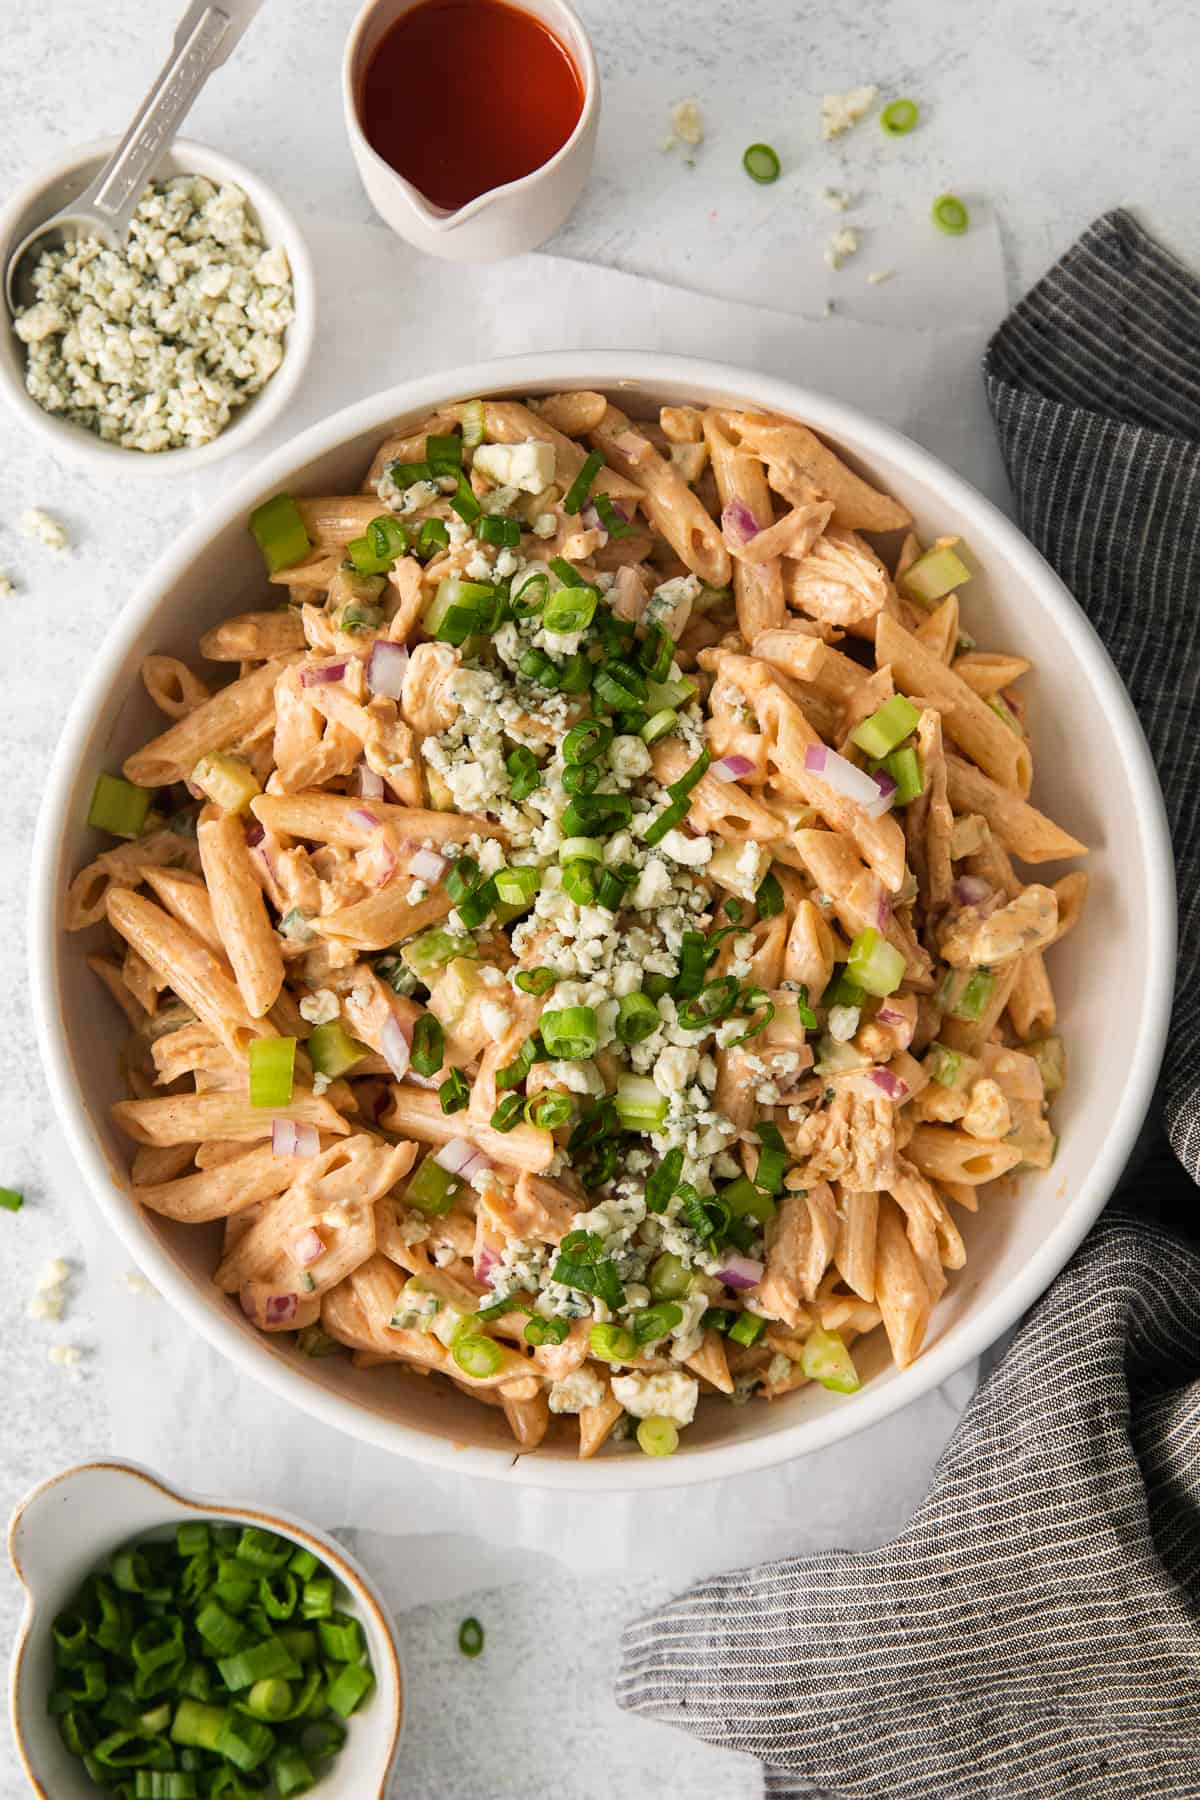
578	936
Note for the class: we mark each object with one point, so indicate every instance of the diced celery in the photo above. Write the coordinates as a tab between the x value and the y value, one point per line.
950	1068
1005	714
875	964
279	532
432	1189
433	950
934	574
826	1359
640	1106
966	993
904	767
663	694
745	1201
889	726
272	1064
1050	1057
119	807
228	781
332	1050
669	1278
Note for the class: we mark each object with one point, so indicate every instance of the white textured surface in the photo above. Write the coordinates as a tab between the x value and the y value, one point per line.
1049	112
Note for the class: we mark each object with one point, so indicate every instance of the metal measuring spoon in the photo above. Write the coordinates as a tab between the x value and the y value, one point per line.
204	38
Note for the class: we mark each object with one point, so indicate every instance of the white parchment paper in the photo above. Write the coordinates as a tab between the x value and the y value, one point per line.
173	1402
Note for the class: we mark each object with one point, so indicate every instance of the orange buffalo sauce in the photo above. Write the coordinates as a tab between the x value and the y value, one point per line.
464	95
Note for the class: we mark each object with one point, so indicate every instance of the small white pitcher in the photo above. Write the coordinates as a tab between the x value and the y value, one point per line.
505	221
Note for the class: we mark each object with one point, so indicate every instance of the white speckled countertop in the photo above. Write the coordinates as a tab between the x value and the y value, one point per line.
1051	110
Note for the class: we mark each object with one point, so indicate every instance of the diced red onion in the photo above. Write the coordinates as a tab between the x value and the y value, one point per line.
428	865
255	833
364	818
377	863
395	1042
385	668
732	768
845	778
458	1157
892	1085
883	911
738	523
486	1257
308	1248
370	785
271	1309
887	794
291	1138
740	1272
971	890
327	672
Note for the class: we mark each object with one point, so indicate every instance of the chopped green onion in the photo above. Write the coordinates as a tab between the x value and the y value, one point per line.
612	1343
581	487
258	1662
1004	712
279	532
479	903
570	1033
346	1693
119	807
477	1356
747	1201
843	992
454	1092
433	536
586	740
517	886
904	767
464	502
585	849
524	774
688	780
659	725
535	665
429	952
761	1009
950	215
474	424
718	1318
575	676
581	778
664	1181
428	1045
579	880
693	961
291	1773
899	117
495	530
887	727
761	163
639	1105
384	540
269	1699
332	1050
432	1189
636	1018
934	574
341	1638
658	1437
747	1328
875	964
508	1113
768	900
514	1073
546	1331
667	820
470	1637
11	1200
619	685
536	981
593	815
943	1065
444	454
581	1264
805	1013
272	1069
530	597
654	1322
825	1358
710	1006
570	577
610	518
404	475
657	653
548	1110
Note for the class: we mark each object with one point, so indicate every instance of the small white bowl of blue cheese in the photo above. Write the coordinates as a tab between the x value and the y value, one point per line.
177	349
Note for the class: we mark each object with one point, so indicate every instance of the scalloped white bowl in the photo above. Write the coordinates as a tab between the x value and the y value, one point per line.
1113	975
68	1524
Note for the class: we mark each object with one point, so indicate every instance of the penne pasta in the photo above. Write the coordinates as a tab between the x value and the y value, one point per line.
990	743
214	725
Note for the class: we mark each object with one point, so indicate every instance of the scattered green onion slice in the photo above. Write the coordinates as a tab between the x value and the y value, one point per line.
536	981
899	117
570	1033
546	1331
495	530
581	487
476	1355
761	163
279	532
658	1437
470	1637
637	1017
433	536
384	540
524	774
610	518
454	1093
950	215
428	1045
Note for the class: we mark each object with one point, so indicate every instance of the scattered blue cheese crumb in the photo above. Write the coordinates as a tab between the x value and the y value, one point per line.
43	529
687	124
836	199
880	275
136	1283
50	1294
65	1356
840	111
841	245
320	1007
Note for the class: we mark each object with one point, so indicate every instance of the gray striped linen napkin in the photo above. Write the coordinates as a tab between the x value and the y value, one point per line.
1035	1631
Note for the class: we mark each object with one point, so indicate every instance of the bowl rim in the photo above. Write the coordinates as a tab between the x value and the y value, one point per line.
310	1537
611	369
260	411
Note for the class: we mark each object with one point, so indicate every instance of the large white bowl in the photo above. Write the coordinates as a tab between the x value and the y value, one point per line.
1113	975
63	181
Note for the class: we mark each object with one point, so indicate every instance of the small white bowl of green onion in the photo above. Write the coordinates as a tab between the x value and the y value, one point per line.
182	1649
